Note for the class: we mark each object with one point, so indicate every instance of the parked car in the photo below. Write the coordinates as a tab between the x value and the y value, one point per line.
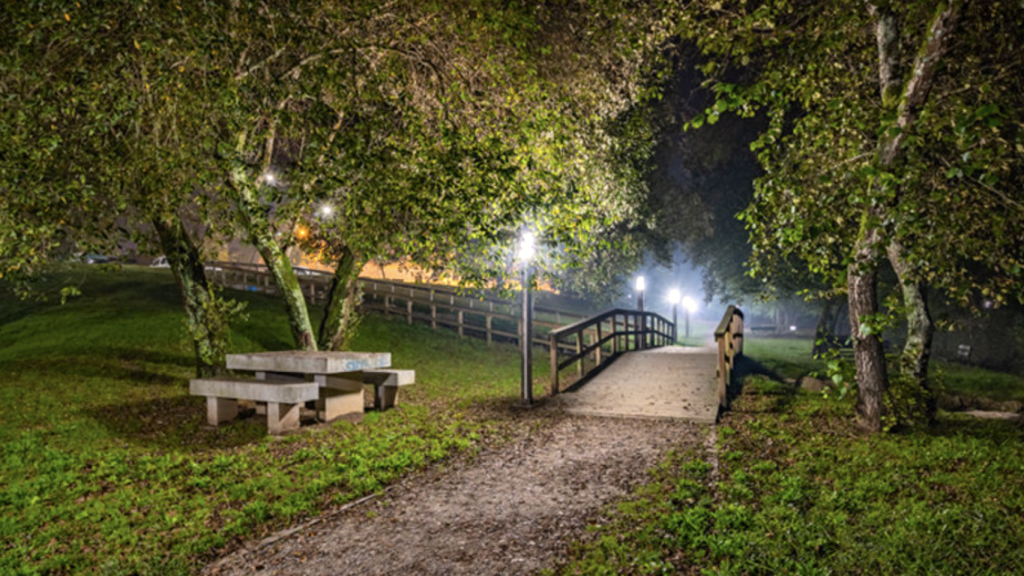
98	259
160	262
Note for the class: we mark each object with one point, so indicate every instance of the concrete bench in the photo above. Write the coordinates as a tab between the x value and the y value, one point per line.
386	384
283	399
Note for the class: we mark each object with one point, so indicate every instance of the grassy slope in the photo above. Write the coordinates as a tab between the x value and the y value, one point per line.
799	492
106	464
790	358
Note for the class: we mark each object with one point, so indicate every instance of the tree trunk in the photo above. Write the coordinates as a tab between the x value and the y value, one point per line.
261	233
920	329
824	336
187	267
862	294
341	300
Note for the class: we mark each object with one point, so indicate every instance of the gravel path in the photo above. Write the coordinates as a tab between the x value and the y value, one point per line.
510	510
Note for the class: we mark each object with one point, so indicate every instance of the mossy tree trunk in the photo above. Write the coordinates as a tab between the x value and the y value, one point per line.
920	328
255	218
341	302
187	266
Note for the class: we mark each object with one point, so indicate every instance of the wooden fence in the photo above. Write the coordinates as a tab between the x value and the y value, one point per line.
729	337
470	315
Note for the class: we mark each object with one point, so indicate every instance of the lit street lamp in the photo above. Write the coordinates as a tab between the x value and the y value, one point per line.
527	250
691	306
674	298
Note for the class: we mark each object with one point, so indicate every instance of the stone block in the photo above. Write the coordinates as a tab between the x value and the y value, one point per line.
339	404
256	390
282	418
219	410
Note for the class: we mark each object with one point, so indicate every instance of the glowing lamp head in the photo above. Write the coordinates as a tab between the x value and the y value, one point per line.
327	210
640	284
674	296
527	246
690	304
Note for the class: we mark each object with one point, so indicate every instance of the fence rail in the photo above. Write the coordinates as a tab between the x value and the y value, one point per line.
729	337
471	315
600	339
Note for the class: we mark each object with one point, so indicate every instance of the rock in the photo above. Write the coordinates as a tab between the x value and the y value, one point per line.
1011	406
812	384
987	405
950	402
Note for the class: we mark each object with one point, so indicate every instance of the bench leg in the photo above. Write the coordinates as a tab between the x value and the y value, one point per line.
340	404
220	410
261	408
282	418
388	397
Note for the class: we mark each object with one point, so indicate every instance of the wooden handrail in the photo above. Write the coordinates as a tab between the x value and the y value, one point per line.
639	329
729	338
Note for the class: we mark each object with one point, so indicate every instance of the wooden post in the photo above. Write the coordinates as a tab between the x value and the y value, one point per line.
460	323
408	309
599	345
723	375
488	321
553	342
433	315
579	353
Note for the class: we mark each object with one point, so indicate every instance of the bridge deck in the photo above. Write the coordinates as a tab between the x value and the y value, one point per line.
670	382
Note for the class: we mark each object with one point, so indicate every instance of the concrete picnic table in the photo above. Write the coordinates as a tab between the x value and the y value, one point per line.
285	380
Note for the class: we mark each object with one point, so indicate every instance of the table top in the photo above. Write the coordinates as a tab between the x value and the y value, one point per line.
307	362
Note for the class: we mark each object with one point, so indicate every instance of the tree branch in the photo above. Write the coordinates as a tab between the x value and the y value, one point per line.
922	77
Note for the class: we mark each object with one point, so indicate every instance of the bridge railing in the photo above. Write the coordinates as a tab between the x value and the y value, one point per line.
603	337
729	337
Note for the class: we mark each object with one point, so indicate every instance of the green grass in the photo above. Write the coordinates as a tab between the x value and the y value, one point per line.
107	466
978	382
791	358
799	492
786	357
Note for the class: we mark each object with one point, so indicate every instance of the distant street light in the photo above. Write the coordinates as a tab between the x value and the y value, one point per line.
327	210
691	306
674	297
527	250
269	178
640	286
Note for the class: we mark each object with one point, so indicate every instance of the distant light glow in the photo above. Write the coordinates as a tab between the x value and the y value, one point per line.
640	284
269	177
674	296
690	304
302	232
527	246
792	328
327	210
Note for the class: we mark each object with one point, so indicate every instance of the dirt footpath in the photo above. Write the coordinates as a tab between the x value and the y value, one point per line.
510	510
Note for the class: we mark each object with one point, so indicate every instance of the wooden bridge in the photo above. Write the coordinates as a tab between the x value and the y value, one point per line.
634	370
617	363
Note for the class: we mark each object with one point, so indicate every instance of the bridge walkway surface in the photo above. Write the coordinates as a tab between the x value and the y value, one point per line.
671	382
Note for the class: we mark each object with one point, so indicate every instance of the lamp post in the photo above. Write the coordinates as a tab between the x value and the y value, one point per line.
641	320
527	249
674	298
691	306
